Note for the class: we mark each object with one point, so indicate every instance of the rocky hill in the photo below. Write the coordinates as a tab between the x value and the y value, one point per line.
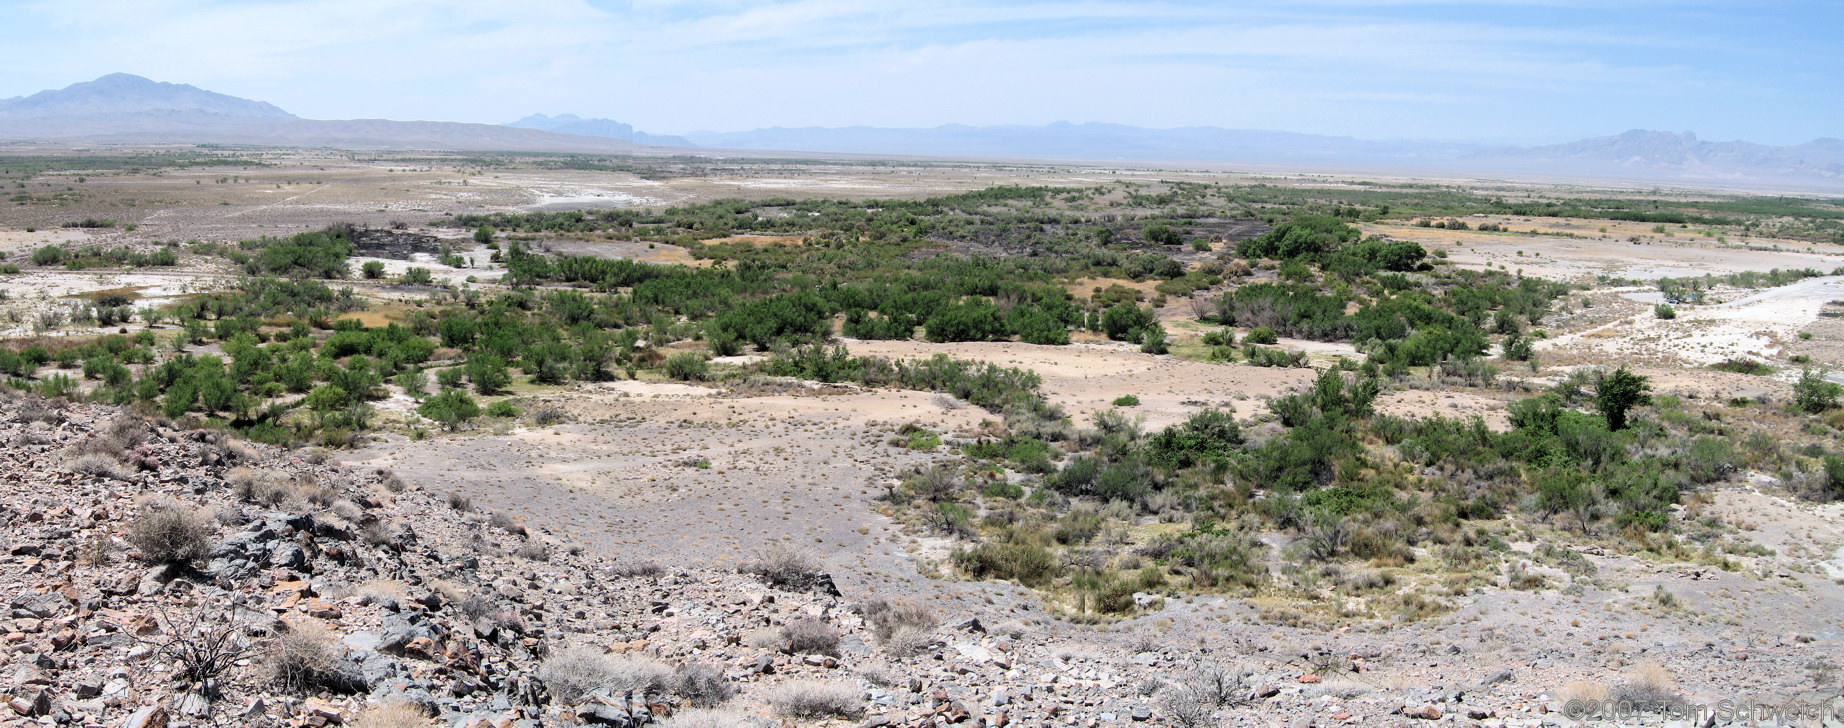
157	577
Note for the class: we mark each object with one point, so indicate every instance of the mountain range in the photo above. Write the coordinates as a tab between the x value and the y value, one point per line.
1063	140
573	124
1682	154
129	109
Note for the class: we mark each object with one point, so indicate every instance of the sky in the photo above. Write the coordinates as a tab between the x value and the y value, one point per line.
1482	71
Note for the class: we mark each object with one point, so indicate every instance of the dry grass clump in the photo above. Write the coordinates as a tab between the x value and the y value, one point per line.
376	591
262	487
637	569
390	481
1143	641
700	718
391	714
887	617
1186	708
1582	690
909	642
783	567
764	639
302	658
39	409
533	551
97	465
459	501
505	522
574	672
313	492
812	699
702	685
347	510
37	433
1647	683
807	635
450	592
1193	699
116	436
167	531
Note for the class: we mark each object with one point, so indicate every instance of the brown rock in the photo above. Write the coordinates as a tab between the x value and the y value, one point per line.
152	716
142	625
319	710
1310	678
323	609
1425	712
422	648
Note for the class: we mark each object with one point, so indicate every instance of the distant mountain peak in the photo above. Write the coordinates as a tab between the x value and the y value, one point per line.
119	94
130	108
573	124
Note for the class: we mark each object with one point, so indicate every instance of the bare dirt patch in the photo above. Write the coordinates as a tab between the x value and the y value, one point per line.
1576	258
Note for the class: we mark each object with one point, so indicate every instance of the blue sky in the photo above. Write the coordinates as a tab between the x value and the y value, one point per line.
1770	72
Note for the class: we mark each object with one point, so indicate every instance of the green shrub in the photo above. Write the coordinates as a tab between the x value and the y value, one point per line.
502	408
1814	394
452	408
49	255
1618	392
1024	563
1125	322
1261	335
1126	400
1743	365
974	320
1263	356
1162	234
1210	435
1664	311
1152	340
1834	475
320	254
487	372
688	367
